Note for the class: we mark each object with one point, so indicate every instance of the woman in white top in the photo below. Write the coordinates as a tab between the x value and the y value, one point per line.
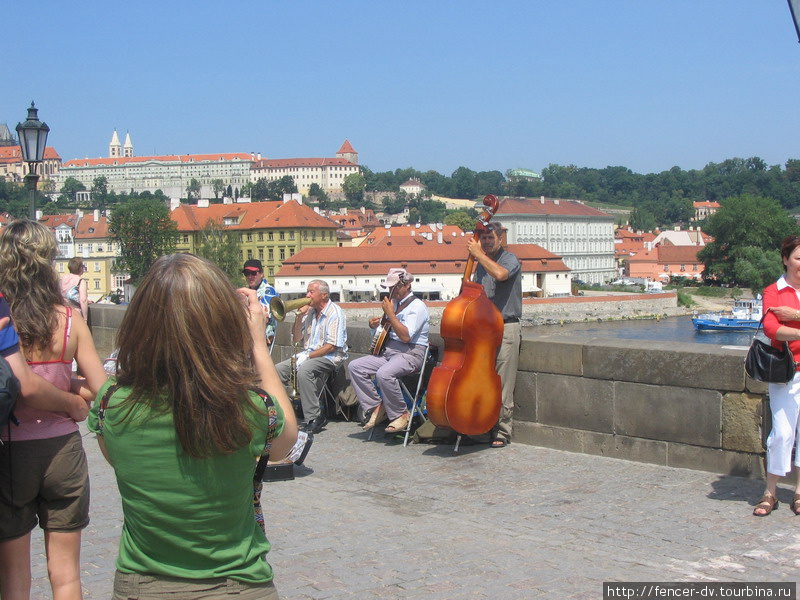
74	287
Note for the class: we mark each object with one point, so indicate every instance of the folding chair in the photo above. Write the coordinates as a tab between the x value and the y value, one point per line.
418	381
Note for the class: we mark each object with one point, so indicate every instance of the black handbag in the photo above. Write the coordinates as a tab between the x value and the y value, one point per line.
766	363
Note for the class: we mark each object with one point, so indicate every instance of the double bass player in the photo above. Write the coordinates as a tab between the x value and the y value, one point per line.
500	273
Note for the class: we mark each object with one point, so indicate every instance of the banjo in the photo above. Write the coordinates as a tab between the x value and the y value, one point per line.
382	332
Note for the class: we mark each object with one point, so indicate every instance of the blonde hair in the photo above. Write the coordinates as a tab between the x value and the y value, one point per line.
29	281
185	348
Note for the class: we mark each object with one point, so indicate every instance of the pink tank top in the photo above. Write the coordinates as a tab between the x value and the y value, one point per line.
35	424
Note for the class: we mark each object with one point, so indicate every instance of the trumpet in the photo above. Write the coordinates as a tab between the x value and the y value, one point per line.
279	308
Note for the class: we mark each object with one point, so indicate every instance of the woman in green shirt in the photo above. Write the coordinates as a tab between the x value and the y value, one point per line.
182	431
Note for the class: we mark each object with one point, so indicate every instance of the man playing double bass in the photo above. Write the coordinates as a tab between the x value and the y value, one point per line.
406	318
500	274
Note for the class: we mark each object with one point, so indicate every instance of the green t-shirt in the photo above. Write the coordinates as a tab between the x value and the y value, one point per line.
184	517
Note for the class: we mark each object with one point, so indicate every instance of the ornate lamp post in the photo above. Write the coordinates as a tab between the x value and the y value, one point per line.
32	136
794	8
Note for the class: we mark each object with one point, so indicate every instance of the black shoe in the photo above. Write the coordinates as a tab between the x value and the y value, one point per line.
316	425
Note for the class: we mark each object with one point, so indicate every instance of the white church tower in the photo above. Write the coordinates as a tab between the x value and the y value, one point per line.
115	148
128	148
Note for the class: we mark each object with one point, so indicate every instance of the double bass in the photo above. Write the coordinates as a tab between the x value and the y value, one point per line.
464	392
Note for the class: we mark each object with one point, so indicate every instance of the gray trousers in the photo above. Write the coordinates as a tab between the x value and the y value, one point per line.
507	366
311	377
397	360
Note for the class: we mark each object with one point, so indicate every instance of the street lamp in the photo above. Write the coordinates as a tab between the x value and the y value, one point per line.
32	136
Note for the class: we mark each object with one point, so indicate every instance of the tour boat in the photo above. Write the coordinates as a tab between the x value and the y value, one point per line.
745	316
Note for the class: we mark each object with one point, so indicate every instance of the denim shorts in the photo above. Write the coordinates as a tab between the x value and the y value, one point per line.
132	586
49	485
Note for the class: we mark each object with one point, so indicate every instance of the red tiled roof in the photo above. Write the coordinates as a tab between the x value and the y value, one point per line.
548	206
346	148
678	254
183	158
396	232
14	153
88	228
424	259
253	215
706	204
53	221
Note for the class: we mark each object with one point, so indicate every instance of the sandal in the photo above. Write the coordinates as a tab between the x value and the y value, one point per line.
399	424
768	503
795	505
377	416
499	443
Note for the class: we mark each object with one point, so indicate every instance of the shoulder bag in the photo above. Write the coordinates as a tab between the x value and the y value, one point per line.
766	363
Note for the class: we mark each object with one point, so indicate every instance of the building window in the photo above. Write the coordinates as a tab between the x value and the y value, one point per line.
282	254
291	235
249	237
313	236
97	284
97	267
249	254
305	235
260	236
281	236
270	254
185	238
261	254
269	236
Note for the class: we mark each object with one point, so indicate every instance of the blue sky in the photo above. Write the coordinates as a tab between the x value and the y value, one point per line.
431	85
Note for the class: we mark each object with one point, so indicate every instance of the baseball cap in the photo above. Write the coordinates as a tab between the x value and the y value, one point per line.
252	265
396	276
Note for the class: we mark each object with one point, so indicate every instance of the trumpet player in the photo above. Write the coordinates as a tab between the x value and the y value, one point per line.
322	328
253	272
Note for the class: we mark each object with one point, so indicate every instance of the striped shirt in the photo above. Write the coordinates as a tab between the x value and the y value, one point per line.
326	327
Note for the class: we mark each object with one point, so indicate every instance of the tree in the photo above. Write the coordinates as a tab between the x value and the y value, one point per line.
193	191
394	204
743	222
429	211
318	194
144	231
460	218
756	268
218	187
353	188
69	190
14	199
222	248
100	192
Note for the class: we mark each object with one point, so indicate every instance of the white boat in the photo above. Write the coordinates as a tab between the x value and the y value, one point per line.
745	316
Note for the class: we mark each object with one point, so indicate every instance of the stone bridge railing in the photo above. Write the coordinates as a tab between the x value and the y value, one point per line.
667	403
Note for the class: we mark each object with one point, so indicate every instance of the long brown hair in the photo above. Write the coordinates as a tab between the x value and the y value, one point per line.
29	281
185	348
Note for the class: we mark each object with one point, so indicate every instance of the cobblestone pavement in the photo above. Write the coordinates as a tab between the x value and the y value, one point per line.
371	519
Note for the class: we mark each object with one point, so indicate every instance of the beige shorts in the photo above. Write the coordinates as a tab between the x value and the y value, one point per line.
49	485
147	587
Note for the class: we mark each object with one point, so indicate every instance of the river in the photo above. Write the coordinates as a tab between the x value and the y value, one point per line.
668	329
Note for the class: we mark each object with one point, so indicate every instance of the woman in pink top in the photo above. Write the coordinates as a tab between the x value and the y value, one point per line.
43	458
74	287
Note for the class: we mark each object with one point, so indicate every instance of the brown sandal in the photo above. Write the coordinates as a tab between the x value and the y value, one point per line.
795	505
768	503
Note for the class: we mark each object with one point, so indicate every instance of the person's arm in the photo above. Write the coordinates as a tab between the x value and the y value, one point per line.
42	394
83	295
268	375
399	328
492	268
323	350
86	355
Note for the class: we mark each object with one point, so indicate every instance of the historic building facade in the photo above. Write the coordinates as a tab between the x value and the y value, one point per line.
328	173
581	235
272	232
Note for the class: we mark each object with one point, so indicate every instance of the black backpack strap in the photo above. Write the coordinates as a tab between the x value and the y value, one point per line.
101	411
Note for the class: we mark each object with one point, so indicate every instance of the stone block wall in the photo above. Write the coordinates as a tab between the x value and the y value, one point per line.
673	404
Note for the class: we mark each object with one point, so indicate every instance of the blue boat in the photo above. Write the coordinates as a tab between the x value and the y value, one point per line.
745	316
